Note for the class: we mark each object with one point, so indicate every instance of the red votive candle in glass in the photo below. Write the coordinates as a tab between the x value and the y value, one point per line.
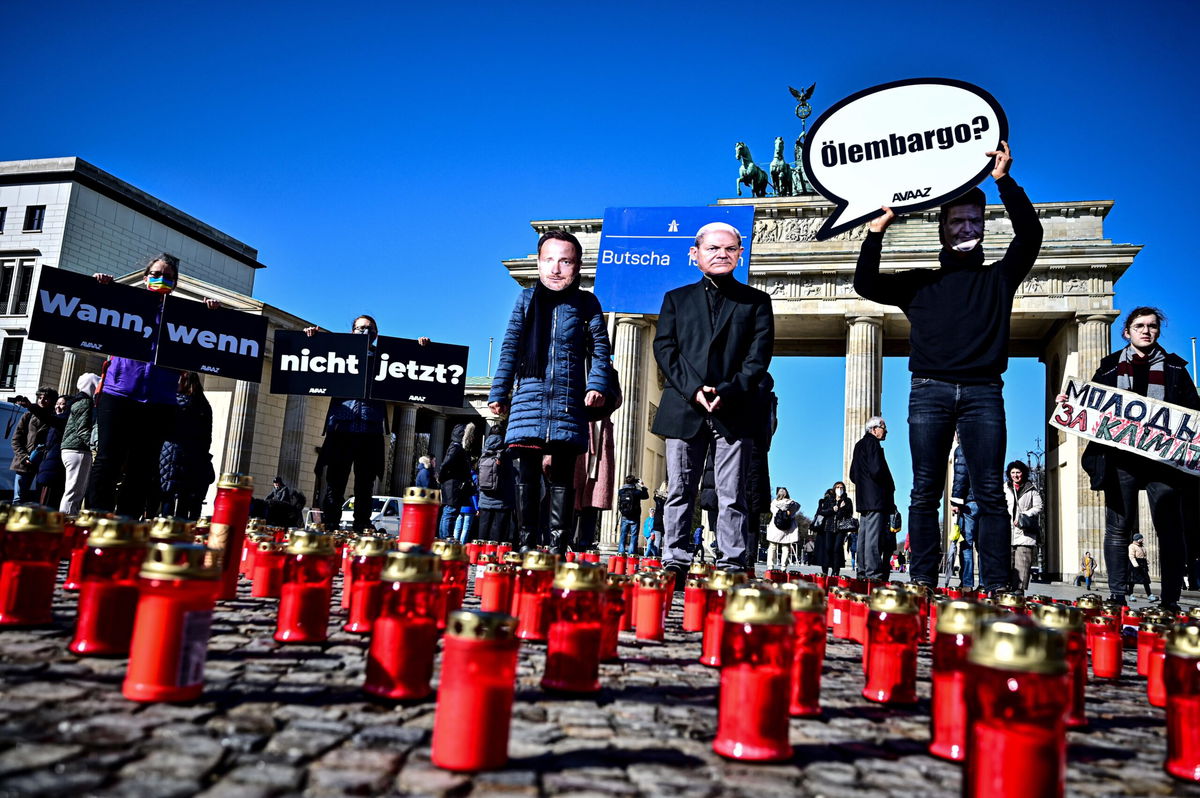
84	522
177	588
1106	648
1011	602
757	657
1068	621
404	636
891	648
418	522
534	583
693	603
249	540
1016	705
364	584
632	564
473	549
616	564
455	567
592	556
614	610
267	579
808	611
1148	632
835	614
628	596
1090	605
1156	684
29	565
576	615
1130	621
496	588
108	593
775	575
856	623
475	695
307	590
227	530
957	621
720	583
921	597
480	570
1181	677
648	607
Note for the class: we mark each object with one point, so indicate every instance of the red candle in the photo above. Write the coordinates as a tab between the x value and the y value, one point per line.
1181	677
418	522
628	593
775	575
592	556
473	549
534	583
307	590
404	636
648	607
475	696
576	610
616	564
249	540
1090	606
267	579
496	589
227	530
693	604
455	566
632	564
1106	648
364	584
108	595
1011	602
719	585
756	663
84	522
920	594
1016	704
808	611
614	609
1130	621
177	587
1148	632
1156	685
891	647
480	568
948	722
836	615
29	565
856	622
1068	621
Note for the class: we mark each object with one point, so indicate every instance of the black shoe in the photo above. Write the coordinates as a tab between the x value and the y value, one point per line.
679	575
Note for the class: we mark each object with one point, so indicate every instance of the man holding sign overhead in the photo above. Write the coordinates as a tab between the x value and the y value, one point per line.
959	315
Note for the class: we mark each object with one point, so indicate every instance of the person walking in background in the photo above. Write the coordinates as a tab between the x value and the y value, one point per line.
1087	569
424	478
1139	569
496	486
455	477
185	462
464	524
1024	506
782	531
51	476
77	443
629	505
876	501
652	536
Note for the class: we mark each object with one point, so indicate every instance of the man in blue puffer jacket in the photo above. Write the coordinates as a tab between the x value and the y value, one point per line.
544	385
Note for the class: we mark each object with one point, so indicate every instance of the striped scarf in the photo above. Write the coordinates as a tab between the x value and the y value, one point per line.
1129	357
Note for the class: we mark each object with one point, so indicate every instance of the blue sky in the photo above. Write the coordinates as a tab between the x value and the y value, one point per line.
385	157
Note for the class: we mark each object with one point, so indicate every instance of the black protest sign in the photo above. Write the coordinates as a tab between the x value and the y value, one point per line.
218	341
72	309
324	364
405	371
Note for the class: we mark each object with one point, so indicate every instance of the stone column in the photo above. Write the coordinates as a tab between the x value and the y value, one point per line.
66	380
437	436
405	425
628	421
1093	341
239	435
864	382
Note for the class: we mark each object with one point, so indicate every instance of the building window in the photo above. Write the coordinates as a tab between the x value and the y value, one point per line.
3	217
35	216
16	280
10	358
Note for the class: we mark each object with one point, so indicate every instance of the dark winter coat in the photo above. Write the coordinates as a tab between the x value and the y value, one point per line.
77	435
30	432
185	465
455	472
549	408
50	467
500	498
424	477
871	476
960	491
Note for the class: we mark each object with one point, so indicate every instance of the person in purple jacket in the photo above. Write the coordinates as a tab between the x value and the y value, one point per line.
134	410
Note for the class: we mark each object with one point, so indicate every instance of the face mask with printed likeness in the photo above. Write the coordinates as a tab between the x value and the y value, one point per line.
161	284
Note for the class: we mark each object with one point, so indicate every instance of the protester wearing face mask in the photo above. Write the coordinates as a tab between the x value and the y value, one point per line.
134	409
833	521
959	314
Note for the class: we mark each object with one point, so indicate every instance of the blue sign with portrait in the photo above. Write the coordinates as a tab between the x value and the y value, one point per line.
644	252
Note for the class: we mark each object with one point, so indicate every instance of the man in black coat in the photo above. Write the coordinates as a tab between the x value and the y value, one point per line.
876	494
713	344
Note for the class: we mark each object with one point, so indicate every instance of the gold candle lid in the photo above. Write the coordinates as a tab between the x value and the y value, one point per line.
579	575
1102	620
307	541
415	565
1193	613
804	596
1014	601
1039	599
415	495
696	582
236	481
449	550
1184	640
371	546
496	568
537	561
476	625
758	605
35	518
1132	615
889	599
1089	601
725	580
1154	627
87	518
271	547
618	580
1059	616
512	558
698	569
1158	615
961	616
117	532
916	590
166	528
170	560
649	580
1112	607
1018	644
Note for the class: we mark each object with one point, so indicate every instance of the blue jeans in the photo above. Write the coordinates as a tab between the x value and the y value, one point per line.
935	410
446	524
629	531
967	520
462	527
23	489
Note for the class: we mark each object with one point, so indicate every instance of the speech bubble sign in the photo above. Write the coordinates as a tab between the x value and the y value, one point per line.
910	145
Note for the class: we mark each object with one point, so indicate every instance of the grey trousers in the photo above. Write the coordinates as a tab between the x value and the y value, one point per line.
872	526
1022	557
685	466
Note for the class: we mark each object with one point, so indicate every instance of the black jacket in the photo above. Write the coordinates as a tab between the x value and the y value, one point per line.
455	472
960	490
871	477
731	356
1178	389
638	495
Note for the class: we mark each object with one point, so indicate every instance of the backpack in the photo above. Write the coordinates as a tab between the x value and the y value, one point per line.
626	503
489	470
783	519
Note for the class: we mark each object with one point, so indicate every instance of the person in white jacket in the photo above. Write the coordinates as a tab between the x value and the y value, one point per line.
782	531
1024	508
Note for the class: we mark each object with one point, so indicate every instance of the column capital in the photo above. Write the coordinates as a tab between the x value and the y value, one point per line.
864	318
1093	316
632	321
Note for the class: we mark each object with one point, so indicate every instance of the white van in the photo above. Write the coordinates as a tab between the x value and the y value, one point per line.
385	514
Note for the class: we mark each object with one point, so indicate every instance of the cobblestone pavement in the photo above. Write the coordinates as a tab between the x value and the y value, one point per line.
290	719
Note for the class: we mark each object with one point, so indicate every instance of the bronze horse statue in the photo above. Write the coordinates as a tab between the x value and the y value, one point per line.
781	171
751	174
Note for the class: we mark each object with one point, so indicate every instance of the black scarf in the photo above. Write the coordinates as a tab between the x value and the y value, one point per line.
534	347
